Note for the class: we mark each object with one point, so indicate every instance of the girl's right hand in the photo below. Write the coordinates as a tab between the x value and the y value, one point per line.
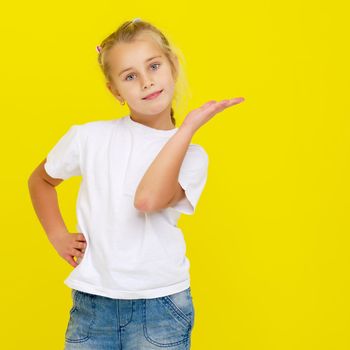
69	245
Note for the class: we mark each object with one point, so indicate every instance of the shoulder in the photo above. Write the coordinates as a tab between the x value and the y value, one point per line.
198	151
197	155
97	128
96	125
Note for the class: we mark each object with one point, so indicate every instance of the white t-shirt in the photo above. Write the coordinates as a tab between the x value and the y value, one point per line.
129	254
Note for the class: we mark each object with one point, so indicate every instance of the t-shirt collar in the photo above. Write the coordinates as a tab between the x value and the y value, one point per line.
147	129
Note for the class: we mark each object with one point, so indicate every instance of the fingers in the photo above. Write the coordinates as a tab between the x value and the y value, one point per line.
234	101
71	261
80	237
80	246
231	101
77	253
220	105
208	104
77	249
214	106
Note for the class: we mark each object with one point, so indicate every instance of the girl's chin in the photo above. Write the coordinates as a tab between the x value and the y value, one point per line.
153	107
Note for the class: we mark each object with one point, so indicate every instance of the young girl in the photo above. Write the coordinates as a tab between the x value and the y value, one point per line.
131	284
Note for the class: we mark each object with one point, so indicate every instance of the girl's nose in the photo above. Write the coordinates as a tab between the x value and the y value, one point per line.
147	83
147	87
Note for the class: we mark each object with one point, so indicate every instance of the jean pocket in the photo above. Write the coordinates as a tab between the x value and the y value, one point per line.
82	317
168	320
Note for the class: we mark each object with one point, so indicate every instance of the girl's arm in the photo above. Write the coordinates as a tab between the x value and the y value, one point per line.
45	202
159	186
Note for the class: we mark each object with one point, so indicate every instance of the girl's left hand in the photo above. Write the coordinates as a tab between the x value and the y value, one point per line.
198	117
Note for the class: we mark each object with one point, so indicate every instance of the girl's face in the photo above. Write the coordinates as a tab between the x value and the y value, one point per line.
138	69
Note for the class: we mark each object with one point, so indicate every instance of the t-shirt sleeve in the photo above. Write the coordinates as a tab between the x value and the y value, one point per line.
63	160
192	178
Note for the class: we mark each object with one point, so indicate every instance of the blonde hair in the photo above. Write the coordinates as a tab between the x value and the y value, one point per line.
129	31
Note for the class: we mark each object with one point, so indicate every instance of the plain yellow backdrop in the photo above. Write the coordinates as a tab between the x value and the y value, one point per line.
269	241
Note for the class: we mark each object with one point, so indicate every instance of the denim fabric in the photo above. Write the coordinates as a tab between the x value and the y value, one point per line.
101	323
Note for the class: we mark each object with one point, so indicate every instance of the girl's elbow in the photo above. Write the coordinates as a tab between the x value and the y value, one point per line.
147	206
141	204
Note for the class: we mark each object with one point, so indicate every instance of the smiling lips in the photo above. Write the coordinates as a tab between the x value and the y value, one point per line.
152	96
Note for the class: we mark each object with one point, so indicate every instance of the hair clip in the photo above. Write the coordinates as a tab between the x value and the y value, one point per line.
98	48
136	20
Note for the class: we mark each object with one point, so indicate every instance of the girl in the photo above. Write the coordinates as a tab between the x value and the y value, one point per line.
131	284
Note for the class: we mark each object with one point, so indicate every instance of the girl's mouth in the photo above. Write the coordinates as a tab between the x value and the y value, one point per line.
153	96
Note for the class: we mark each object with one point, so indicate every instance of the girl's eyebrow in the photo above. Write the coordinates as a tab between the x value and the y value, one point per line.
148	59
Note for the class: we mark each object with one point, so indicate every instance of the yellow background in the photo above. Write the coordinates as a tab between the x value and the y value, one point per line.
269	241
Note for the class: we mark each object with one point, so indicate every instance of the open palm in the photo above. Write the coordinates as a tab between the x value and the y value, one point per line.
199	116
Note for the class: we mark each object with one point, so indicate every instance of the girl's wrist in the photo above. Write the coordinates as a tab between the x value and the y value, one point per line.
187	129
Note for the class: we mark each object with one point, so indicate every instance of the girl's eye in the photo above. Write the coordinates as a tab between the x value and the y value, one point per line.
129	75
155	64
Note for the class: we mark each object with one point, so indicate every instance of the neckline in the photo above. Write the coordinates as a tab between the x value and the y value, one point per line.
148	129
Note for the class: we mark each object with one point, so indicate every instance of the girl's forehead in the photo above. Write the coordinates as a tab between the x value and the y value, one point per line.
125	54
137	48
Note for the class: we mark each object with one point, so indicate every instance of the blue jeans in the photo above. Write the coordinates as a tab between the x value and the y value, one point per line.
101	323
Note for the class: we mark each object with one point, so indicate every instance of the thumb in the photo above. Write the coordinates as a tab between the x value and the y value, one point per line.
72	261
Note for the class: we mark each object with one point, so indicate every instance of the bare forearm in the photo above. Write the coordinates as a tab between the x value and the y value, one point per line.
45	203
157	186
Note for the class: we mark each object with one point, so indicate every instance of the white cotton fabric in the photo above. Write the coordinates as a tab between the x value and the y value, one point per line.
129	254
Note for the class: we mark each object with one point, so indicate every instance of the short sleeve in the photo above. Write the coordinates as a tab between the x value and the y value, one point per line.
192	178
63	160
